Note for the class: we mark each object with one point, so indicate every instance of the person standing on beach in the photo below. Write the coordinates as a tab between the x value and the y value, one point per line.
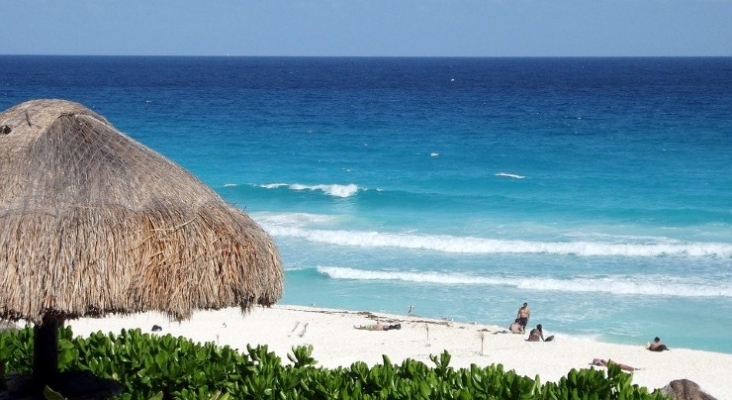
523	315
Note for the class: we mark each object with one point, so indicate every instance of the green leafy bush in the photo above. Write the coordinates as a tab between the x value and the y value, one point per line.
167	367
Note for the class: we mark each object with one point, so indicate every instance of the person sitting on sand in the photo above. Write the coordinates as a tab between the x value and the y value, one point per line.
602	363
515	327
536	334
378	326
523	315
657	345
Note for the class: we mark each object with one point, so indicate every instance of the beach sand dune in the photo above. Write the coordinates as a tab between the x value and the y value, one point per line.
336	343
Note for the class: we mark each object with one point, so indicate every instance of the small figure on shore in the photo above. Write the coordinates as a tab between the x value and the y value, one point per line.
523	315
657	345
515	327
602	363
378	326
536	334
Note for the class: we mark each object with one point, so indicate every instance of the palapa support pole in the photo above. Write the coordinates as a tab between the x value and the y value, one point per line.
45	350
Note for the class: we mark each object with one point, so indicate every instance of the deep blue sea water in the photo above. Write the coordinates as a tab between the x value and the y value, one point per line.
597	190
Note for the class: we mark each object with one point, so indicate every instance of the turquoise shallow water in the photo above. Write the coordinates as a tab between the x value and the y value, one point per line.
597	190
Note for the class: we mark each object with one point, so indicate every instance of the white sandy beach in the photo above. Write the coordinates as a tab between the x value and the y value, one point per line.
337	343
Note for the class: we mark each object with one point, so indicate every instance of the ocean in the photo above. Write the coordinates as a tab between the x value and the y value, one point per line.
598	190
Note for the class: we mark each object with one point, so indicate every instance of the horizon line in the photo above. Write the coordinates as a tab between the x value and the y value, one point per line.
351	56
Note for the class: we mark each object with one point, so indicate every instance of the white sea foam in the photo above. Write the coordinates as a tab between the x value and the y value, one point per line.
229	184
331	190
474	245
421	277
507	175
649	285
653	285
292	219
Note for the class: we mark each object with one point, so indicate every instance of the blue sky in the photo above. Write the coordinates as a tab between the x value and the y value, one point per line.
476	28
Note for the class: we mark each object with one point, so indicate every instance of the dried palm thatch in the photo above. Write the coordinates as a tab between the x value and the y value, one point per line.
684	389
93	222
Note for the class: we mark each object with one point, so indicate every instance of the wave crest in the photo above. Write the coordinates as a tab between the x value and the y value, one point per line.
331	190
507	175
473	245
651	285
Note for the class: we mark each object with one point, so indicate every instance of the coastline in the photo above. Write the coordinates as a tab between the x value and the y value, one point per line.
336	343
410	208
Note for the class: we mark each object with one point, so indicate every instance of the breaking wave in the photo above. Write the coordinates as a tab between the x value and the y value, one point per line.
331	190
475	245
652	285
507	175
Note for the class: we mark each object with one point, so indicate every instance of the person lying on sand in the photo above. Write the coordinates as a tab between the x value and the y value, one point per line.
657	345
378	326
602	363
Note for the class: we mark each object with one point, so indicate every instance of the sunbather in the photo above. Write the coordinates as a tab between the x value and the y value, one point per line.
602	363
378	326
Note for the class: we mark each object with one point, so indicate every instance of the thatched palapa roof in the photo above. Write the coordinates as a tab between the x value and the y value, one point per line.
93	222
684	389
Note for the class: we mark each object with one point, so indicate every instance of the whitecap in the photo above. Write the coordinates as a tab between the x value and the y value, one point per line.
475	245
272	185
507	175
647	285
332	190
281	220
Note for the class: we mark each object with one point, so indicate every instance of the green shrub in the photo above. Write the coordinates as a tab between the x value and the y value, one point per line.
167	367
